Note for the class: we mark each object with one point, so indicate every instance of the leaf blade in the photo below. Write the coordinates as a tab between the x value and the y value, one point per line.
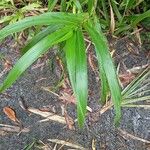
81	78
51	4
106	61
43	19
50	29
77	68
33	54
140	17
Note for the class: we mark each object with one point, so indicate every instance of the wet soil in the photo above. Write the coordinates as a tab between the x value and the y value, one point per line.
99	128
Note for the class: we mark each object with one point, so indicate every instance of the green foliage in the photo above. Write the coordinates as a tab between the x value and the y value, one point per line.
137	91
16	11
77	68
69	29
107	66
32	54
127	14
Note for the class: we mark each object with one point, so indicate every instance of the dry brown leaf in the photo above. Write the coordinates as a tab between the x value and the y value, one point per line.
38	65
91	62
69	121
138	69
112	21
67	97
10	114
93	144
7	64
3	133
132	48
127	135
59	62
62	142
48	115
126	78
10	128
137	34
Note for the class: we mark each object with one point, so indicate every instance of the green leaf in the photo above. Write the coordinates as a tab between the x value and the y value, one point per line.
137	90
77	68
30	7
103	55
104	84
81	78
6	18
50	29
105	11
137	106
135	83
78	5
134	100
70	52
63	5
33	54
44	19
51	4
140	17
92	6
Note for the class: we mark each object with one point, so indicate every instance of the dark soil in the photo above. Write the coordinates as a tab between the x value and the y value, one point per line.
99	128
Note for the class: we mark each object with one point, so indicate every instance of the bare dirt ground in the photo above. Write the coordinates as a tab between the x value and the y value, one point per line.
99	132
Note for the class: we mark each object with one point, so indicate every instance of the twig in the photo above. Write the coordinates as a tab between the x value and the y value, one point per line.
62	142
127	135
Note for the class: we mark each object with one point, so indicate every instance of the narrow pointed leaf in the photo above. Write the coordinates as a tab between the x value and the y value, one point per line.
44	19
63	5
90	7
77	68
70	52
140	17
51	4
137	106
81	78
135	83
33	54
134	100
40	36
139	91
104	84
105	59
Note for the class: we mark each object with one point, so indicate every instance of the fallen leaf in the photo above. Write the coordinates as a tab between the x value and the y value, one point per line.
10	128
3	133
126	78
48	115
65	95
7	64
128	136
93	144
132	47
137	70
91	62
69	98
62	142
10	114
